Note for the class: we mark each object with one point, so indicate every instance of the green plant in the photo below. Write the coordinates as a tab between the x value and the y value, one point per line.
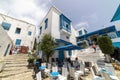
30	60
47	45
105	45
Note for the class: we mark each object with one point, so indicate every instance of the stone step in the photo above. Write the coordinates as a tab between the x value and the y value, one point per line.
18	76
5	74
16	68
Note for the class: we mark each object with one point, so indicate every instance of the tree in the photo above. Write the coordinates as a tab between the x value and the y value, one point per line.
105	45
35	45
47	45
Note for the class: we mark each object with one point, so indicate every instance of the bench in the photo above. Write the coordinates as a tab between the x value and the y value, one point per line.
2	65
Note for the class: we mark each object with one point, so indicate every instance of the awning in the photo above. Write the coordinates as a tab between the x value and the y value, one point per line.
116	44
62	41
68	47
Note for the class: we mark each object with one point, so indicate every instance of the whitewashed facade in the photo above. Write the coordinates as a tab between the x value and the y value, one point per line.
5	43
22	33
60	28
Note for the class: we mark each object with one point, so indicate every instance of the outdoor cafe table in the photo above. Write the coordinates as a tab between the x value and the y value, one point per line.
54	75
42	67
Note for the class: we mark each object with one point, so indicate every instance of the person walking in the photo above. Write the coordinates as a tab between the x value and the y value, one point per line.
94	47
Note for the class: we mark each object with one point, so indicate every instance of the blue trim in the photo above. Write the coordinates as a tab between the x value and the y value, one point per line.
18	42
116	44
99	32
62	41
46	23
6	26
116	15
65	23
68	47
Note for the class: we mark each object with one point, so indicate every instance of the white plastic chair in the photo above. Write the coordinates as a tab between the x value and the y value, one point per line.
64	74
109	68
94	76
47	70
38	76
81	71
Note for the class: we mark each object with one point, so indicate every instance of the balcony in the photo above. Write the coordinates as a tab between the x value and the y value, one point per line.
65	31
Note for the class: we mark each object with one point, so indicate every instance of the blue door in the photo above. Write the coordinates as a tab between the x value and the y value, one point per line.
7	50
60	57
70	53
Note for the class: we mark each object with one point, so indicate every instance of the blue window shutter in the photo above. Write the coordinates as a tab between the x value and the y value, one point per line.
40	29
18	42
118	33
65	23
29	33
6	26
46	23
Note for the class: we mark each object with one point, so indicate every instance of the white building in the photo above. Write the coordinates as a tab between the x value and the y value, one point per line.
5	43
22	33
60	28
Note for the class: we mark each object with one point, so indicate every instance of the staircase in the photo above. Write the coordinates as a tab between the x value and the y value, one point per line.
16	68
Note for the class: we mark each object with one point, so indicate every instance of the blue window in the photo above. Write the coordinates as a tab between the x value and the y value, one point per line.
118	33
18	30
85	31
6	26
29	33
18	42
40	29
65	23
80	32
46	23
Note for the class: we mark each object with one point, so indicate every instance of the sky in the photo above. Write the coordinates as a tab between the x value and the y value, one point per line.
91	14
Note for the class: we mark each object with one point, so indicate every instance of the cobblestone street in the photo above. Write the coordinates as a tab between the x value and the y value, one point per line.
16	68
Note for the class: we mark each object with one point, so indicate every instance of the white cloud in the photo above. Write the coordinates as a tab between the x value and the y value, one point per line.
31	11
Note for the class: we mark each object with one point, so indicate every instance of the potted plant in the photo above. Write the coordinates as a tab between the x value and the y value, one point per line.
30	60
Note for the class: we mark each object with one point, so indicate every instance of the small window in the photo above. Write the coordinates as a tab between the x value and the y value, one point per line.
29	33
40	29
18	30
80	32
18	42
67	37
46	23
85	31
6	26
118	33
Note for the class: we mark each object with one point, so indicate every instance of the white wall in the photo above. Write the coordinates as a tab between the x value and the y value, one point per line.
55	30
25	27
4	42
116	40
117	26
